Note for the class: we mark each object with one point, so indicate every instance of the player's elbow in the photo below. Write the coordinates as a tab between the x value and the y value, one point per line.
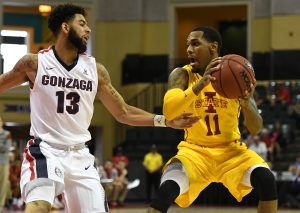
255	127
254	131
120	119
122	116
169	112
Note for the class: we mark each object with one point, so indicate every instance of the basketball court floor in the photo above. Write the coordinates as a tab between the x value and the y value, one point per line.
202	209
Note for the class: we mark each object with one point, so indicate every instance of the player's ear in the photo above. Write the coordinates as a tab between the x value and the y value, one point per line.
214	47
65	27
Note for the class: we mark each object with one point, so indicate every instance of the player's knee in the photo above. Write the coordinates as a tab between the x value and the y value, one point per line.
177	173
173	183
38	206
263	181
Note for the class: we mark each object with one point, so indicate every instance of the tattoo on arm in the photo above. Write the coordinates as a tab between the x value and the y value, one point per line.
26	63
178	79
25	67
115	94
104	80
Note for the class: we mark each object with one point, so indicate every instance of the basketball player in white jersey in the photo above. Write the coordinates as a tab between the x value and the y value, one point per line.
63	84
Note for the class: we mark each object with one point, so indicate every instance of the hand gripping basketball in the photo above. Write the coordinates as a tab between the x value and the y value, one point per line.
234	78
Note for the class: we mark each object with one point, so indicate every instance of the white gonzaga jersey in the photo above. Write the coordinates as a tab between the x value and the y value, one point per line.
62	98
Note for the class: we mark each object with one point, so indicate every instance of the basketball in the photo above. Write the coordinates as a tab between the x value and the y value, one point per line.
234	76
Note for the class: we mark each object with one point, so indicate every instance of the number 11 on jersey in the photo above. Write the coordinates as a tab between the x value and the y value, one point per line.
215	122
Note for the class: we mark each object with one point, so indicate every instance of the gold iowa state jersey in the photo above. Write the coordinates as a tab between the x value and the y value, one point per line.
219	116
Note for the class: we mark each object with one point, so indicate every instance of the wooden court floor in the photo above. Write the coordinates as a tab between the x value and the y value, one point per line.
202	209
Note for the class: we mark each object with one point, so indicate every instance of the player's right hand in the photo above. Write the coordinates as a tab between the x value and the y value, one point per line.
213	66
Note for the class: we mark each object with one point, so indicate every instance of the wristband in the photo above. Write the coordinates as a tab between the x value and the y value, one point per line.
159	121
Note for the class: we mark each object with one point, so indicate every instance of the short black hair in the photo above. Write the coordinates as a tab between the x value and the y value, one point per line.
211	35
63	13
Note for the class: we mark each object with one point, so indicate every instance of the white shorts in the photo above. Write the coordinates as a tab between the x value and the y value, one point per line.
72	172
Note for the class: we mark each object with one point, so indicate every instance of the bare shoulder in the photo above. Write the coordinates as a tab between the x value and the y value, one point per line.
24	70
178	78
103	75
29	61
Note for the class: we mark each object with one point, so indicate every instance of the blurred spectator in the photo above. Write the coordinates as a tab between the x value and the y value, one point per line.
297	163
259	146
5	145
271	100
259	99
289	194
294	112
279	139
153	162
109	171
283	95
14	178
120	183
119	156
270	143
294	171
108	174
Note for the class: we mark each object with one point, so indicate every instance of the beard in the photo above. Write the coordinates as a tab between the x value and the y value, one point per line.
77	41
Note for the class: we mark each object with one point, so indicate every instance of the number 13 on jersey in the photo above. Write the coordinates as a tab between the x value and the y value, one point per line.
74	99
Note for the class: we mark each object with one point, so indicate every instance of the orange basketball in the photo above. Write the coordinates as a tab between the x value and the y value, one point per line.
234	76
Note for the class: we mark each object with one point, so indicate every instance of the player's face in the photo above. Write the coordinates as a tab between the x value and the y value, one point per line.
198	50
79	33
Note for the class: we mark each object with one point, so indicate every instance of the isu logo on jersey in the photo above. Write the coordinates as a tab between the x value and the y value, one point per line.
210	102
57	81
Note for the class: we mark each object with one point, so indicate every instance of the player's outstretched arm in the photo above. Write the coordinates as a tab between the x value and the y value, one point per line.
23	71
252	119
131	115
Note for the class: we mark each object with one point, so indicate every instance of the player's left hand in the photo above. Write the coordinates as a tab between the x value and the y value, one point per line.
183	121
244	101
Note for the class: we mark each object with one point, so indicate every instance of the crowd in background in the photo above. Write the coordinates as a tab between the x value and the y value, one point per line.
10	172
279	105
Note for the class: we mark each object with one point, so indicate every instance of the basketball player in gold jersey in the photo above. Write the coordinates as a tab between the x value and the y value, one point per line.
211	150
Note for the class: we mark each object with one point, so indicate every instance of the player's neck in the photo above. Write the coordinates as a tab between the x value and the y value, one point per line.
198	70
66	52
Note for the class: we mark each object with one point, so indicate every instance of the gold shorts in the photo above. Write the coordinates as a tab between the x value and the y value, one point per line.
226	164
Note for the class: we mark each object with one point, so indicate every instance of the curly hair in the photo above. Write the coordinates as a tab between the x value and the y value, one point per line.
63	13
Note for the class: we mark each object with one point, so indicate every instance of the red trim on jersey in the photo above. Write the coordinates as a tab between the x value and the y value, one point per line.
45	50
84	54
30	159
